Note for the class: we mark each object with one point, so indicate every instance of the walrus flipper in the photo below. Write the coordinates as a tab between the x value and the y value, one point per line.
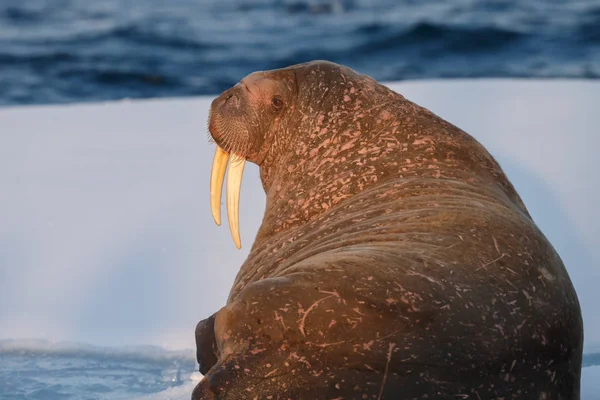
206	346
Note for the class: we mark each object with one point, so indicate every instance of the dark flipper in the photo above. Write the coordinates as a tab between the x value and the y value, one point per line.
206	346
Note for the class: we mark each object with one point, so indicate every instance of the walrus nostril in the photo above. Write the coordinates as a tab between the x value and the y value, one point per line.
227	97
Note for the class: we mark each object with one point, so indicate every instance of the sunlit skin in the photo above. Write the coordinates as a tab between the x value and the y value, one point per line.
395	260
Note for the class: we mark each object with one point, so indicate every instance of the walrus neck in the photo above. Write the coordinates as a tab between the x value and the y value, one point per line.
341	158
311	178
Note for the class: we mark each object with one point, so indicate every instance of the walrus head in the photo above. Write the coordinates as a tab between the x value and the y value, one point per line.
244	122
268	119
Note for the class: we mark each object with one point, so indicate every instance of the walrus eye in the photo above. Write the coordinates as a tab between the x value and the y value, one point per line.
277	103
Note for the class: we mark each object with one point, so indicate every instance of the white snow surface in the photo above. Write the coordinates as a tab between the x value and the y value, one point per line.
106	235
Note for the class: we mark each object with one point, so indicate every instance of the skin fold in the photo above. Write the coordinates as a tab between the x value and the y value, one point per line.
395	259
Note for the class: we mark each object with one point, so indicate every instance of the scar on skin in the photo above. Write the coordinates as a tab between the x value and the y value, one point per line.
280	318
496	245
271	373
387	366
323	345
303	320
491	262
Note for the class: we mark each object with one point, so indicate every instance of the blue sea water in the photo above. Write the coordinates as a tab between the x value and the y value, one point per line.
32	370
57	51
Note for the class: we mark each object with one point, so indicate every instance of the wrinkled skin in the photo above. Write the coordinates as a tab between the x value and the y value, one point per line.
395	260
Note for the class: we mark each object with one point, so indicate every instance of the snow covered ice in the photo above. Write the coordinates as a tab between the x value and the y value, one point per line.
107	236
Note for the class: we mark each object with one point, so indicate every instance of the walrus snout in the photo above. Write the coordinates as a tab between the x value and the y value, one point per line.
224	111
228	99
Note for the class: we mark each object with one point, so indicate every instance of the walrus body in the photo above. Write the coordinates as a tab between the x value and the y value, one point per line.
395	259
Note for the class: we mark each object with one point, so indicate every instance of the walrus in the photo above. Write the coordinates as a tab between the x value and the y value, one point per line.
395	260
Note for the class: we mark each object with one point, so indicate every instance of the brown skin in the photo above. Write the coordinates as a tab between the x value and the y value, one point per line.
395	259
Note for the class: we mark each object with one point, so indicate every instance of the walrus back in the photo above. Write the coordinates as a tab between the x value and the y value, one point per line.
452	273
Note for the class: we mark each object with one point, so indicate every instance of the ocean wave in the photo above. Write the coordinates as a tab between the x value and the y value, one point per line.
448	38
589	31
112	76
591	360
133	33
33	58
21	15
140	35
33	347
154	49
40	369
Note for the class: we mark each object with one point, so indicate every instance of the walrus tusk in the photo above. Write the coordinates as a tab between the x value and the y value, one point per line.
234	183
216	182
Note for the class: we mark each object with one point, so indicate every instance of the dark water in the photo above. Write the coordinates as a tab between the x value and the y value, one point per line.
44	371
55	51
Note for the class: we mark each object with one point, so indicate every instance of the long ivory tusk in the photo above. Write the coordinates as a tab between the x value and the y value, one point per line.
234	183
216	182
